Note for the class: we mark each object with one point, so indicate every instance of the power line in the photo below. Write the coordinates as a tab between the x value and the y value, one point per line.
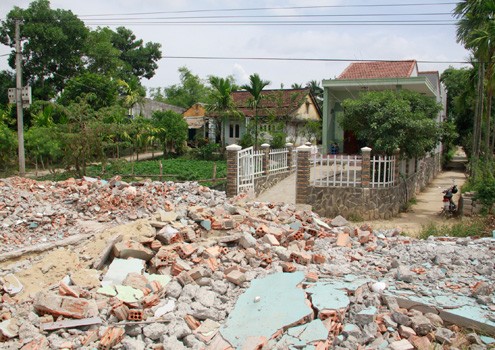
272	16
272	8
289	23
306	59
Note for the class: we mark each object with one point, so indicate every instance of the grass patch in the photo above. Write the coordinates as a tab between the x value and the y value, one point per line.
407	206
475	227
178	170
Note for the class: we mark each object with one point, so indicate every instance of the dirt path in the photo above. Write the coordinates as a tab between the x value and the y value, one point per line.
429	201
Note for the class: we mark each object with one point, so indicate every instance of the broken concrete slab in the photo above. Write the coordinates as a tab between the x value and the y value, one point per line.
304	335
270	313
461	310
131	249
128	294
120	268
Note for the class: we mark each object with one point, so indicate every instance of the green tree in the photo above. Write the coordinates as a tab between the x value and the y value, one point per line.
387	120
100	90
140	59
8	140
255	88
476	30
317	91
461	86
7	80
83	137
53	41
221	104
172	130
101	56
190	90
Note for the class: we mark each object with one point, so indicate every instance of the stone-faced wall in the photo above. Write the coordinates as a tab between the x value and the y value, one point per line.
265	182
371	203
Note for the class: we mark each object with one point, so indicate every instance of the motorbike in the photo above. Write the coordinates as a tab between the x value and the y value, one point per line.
449	208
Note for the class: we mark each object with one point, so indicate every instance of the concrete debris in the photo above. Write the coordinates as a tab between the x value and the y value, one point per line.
180	266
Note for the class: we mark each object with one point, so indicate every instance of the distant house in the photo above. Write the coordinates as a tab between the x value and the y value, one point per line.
372	76
197	121
293	107
148	106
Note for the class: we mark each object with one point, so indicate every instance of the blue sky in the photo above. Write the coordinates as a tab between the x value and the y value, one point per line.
351	41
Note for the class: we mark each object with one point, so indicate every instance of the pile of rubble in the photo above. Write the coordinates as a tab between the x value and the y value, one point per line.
34	212
200	271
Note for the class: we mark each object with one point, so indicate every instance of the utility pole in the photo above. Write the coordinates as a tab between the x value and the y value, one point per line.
20	115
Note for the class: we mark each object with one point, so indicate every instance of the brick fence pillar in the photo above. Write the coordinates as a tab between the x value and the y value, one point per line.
302	174
366	167
232	152
266	158
290	154
397	166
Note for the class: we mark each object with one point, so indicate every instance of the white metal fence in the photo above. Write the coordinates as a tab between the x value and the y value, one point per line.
382	171
258	163
336	170
278	160
245	170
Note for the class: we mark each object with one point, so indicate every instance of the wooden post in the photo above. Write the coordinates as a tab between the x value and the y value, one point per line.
214	172
161	171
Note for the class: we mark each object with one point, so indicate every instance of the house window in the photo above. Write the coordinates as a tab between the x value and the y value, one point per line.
234	131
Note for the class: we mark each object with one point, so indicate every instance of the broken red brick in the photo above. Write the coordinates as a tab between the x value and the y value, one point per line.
192	322
64	289
150	301
184	278
37	344
212	252
110	338
156	245
288	267
301	258
65	306
343	240
236	277
312	277
185	250
212	263
135	315
121	312
318	259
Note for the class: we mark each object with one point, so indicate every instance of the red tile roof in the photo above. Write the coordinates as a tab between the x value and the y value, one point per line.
379	69
277	103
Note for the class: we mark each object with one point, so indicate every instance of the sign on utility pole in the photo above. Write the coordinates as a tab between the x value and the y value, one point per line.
20	115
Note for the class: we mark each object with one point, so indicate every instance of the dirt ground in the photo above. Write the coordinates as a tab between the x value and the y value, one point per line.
429	202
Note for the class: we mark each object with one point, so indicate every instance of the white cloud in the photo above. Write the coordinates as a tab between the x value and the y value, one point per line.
240	74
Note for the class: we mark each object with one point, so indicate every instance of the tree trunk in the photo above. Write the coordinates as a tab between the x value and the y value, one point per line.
477	121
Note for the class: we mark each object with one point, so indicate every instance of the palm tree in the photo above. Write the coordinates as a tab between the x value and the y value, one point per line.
476	30
254	88
221	102
296	86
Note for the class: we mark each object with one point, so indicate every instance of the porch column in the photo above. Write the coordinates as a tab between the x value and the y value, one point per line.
290	149
232	155
266	158
302	174
366	167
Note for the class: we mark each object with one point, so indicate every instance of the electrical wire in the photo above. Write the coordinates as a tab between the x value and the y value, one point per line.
273	8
